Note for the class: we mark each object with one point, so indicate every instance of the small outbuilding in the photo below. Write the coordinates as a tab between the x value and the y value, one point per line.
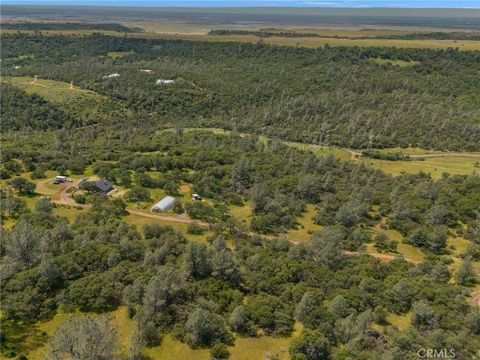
60	179
164	82
165	204
111	76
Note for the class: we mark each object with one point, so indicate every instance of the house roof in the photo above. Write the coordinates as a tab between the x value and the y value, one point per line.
104	185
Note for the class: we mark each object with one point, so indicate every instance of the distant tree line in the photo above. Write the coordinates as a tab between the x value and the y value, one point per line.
266	33
38	26
375	154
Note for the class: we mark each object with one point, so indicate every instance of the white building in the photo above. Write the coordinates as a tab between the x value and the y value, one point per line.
165	204
115	75
164	82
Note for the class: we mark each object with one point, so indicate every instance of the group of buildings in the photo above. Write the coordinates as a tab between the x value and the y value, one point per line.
104	186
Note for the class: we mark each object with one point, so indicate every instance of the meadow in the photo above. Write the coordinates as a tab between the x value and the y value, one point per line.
54	91
170	349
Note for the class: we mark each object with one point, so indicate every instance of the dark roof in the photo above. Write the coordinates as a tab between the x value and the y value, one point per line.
104	185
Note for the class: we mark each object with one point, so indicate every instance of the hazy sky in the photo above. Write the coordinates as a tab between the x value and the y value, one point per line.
239	3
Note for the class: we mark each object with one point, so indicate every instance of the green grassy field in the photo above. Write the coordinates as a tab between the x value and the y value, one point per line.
403	322
407	250
80	102
302	234
434	166
321	150
245	348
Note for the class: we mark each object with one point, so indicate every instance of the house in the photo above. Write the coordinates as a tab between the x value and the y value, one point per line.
196	197
165	204
103	186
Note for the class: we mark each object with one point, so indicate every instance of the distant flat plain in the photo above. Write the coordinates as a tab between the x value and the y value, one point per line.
312	42
337	27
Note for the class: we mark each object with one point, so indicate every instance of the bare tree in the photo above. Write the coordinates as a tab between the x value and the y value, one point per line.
22	244
81	337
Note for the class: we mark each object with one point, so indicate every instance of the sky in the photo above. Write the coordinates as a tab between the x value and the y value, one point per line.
266	3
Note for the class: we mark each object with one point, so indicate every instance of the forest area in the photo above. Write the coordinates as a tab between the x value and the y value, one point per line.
286	250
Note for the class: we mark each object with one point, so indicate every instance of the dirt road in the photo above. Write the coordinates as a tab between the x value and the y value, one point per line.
180	219
383	257
425	156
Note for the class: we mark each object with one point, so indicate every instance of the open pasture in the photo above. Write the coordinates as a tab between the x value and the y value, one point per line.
433	166
51	90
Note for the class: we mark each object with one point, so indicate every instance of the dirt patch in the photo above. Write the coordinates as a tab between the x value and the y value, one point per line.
476	300
383	257
185	188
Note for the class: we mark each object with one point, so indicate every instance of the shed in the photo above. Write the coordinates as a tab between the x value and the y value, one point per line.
165	204
59	179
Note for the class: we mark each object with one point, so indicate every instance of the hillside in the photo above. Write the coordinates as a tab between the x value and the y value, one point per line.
330	96
79	107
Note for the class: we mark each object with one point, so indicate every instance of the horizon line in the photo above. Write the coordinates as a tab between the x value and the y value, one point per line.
3	3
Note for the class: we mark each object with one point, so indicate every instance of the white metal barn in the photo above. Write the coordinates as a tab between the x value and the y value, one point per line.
165	204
